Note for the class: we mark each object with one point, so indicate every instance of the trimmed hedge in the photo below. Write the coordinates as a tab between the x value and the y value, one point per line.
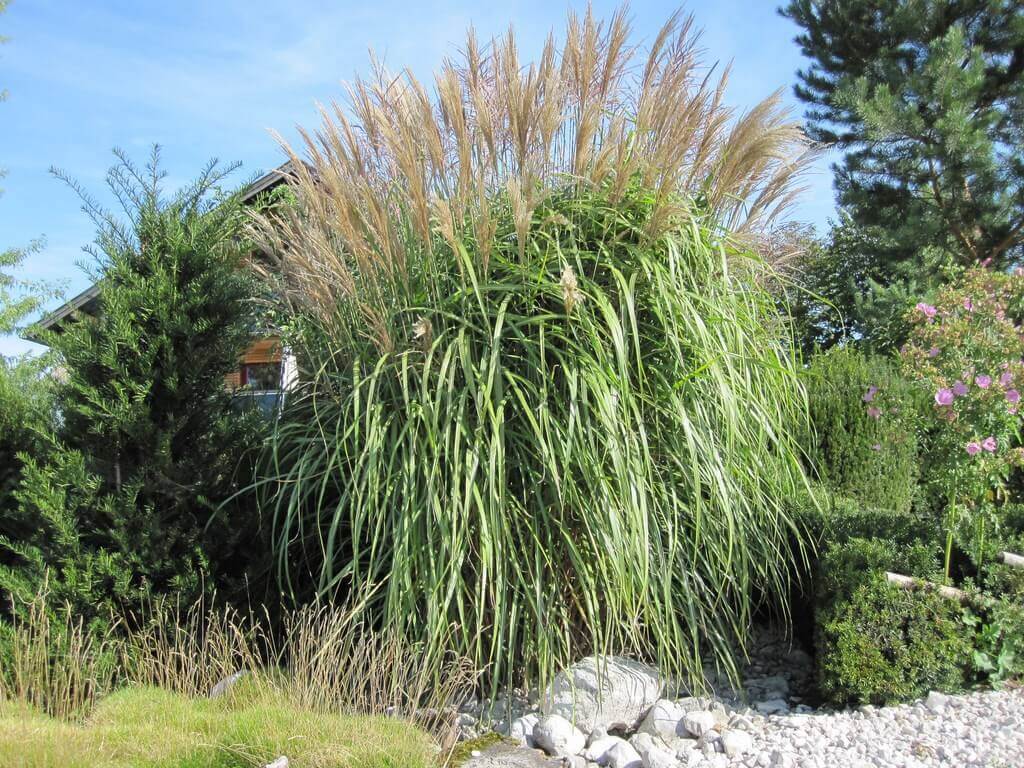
886	644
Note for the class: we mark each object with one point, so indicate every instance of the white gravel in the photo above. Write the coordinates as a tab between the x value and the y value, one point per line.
984	730
772	723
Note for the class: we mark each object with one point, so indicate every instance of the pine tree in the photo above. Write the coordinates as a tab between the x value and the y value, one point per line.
149	441
926	99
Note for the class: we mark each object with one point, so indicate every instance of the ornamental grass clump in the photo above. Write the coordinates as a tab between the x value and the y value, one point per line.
967	351
547	408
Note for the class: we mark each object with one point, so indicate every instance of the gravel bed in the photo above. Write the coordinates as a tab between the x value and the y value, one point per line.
771	723
983	729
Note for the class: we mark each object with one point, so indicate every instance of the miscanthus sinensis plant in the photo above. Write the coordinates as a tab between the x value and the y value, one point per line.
547	408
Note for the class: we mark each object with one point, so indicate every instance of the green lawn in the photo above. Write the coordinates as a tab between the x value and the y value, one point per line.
156	729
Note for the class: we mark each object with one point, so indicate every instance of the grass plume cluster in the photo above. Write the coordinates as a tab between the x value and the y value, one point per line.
547	408
397	178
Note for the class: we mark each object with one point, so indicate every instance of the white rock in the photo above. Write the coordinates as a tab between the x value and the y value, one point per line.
642	741
622	755
574	761
781	759
612	692
692	703
936	702
698	723
665	721
598	749
653	752
522	729
720	713
710	742
226	684
281	762
736	743
740	722
685	750
558	737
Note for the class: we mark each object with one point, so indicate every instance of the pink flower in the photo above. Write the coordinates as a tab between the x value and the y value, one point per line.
1006	379
874	412
933	352
989	444
944	397
876	447
927	309
959	389
968	304
983	381
870	394
986	262
1012	395
973	448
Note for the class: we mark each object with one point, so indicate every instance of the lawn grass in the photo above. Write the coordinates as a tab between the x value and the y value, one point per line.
154	728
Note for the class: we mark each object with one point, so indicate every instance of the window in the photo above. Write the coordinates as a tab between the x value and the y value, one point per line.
261	376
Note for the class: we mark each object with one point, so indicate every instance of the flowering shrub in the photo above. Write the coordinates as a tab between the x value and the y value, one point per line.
967	349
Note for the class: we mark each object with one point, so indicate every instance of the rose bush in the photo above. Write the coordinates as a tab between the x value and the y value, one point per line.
967	349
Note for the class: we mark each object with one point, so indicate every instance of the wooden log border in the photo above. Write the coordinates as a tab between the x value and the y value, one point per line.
909	582
1009	558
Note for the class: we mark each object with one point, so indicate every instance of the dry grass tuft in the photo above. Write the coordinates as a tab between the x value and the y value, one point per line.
54	662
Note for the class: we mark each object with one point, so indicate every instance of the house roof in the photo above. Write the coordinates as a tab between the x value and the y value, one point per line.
87	302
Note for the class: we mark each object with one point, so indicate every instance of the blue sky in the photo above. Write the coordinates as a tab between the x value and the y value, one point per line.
212	78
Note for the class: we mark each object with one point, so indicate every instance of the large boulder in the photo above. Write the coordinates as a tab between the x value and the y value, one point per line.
610	692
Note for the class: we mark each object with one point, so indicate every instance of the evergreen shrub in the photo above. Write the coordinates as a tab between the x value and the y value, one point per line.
887	644
863	444
115	510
